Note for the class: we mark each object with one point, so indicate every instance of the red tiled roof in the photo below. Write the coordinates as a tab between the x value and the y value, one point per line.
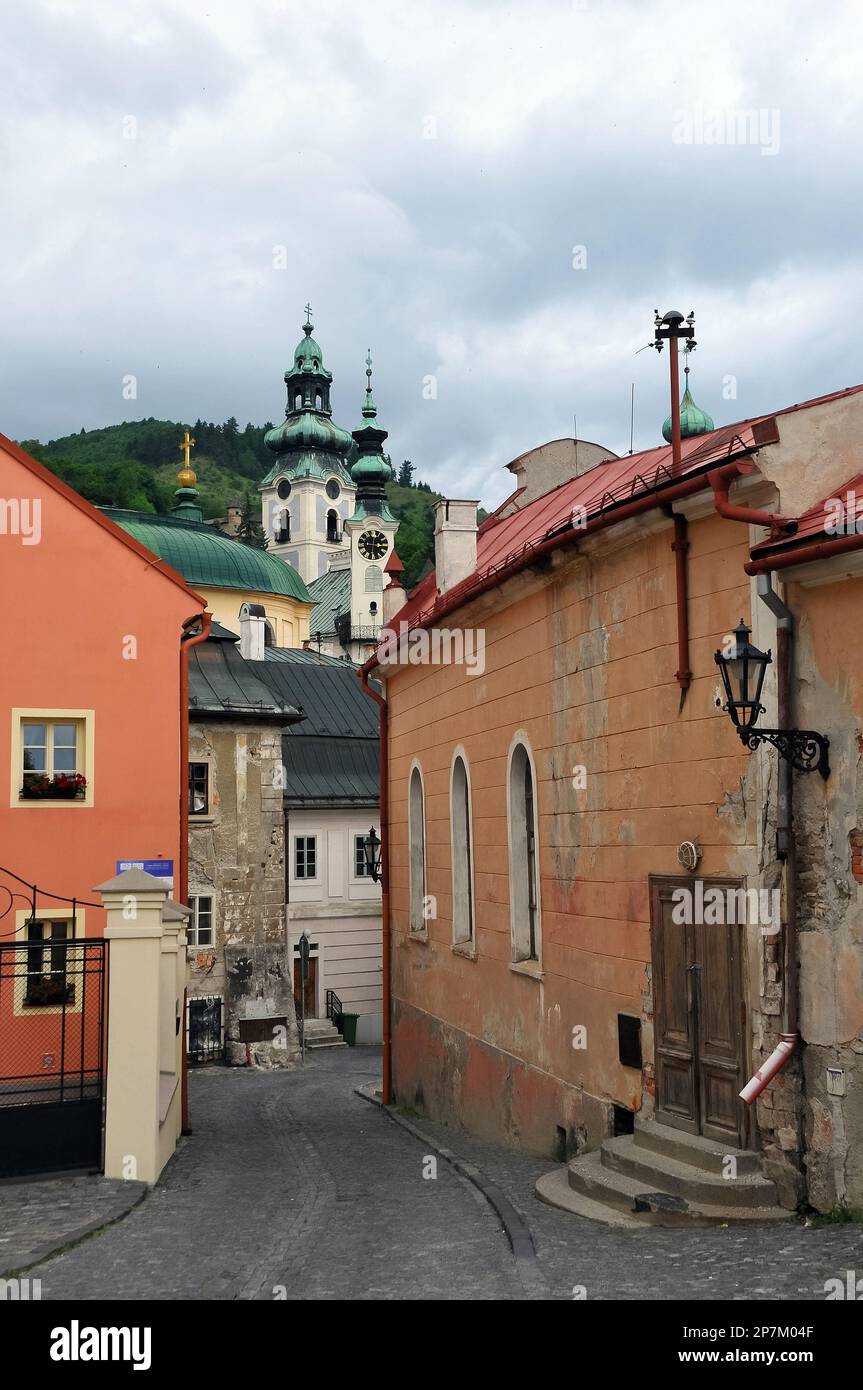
503	541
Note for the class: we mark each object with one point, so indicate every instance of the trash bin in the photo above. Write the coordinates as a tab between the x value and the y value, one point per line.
349	1029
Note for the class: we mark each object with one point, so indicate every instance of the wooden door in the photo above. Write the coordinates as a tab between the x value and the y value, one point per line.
699	1033
307	992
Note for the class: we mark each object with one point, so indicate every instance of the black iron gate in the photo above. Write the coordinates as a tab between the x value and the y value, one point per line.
52	1051
204	1040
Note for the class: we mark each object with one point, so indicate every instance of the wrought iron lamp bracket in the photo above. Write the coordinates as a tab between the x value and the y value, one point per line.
803	748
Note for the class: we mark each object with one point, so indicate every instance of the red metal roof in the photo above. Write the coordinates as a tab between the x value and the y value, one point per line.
812	525
503	540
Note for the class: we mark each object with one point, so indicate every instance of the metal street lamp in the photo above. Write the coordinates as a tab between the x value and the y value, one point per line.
743	668
372	852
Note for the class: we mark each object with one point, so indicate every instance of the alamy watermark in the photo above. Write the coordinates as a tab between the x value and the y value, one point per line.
758	126
22	517
715	906
437	646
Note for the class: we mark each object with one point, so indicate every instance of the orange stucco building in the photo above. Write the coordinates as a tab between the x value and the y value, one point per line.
568	768
92	731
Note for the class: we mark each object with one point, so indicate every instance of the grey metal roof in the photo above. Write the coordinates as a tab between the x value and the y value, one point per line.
300	656
332	700
331	771
221	682
332	595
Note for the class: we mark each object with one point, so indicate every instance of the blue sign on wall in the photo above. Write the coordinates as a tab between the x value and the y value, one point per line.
159	868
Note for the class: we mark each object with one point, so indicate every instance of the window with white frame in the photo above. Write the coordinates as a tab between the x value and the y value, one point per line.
417	851
462	859
523	861
306	856
52	759
199	930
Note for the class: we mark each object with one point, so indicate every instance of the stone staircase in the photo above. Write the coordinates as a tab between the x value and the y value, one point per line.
322	1032
659	1176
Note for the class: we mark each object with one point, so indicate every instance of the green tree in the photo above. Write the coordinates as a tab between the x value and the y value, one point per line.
250	531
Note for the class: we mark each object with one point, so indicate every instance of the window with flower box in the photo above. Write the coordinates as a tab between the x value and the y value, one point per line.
52	757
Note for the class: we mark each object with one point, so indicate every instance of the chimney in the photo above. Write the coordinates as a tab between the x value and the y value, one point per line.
395	597
454	542
252	628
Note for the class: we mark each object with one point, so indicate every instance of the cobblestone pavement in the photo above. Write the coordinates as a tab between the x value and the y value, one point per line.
293	1186
760	1262
38	1217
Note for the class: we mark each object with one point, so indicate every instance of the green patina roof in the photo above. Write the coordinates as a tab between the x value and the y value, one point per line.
693	420
207	557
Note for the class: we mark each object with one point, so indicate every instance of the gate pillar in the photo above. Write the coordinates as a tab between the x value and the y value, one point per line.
135	1085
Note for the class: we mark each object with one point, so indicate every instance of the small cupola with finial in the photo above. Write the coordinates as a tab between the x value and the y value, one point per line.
693	420
187	506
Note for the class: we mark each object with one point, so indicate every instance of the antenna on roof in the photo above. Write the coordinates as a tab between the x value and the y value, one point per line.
631	414
575	439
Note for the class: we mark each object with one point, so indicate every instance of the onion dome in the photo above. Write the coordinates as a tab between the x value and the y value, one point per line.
693	420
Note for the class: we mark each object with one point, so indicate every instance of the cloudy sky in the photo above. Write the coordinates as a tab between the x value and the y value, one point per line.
494	197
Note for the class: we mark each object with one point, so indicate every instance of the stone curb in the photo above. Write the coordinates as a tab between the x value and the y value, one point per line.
514	1224
41	1253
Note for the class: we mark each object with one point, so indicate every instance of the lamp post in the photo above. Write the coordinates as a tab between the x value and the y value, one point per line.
372	852
743	668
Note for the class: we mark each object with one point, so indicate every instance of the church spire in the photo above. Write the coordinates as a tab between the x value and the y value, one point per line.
371	472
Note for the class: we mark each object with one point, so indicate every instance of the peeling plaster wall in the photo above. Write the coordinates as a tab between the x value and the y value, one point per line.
581	657
829	834
236	853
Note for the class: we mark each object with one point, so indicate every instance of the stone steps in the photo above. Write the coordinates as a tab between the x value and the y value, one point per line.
322	1032
659	1176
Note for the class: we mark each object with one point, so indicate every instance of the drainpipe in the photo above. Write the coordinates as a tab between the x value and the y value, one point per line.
186	641
385	884
785	848
721	480
805	554
680	546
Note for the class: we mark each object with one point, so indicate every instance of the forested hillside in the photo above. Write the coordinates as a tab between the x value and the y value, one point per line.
135	465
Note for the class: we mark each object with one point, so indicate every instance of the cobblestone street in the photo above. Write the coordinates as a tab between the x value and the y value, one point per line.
293	1186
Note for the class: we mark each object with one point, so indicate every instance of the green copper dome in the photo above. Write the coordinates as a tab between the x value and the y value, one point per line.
308	443
693	420
204	556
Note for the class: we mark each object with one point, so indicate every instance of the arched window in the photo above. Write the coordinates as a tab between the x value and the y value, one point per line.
283	526
298	401
334	532
269	634
374	579
319	400
462	854
417	850
523	856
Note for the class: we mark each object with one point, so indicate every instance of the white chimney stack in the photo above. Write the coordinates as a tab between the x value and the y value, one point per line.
252	628
454	542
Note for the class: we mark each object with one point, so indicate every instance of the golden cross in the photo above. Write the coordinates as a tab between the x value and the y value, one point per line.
184	448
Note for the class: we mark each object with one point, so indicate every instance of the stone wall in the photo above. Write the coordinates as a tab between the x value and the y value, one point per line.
237	852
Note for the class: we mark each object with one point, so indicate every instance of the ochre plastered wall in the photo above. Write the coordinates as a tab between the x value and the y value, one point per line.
582	658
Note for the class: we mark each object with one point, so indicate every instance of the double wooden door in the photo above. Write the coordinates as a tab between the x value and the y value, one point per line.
699	1018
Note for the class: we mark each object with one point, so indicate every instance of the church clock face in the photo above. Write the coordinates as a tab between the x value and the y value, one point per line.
372	545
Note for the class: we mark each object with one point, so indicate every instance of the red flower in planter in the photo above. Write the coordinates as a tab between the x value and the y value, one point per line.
63	786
